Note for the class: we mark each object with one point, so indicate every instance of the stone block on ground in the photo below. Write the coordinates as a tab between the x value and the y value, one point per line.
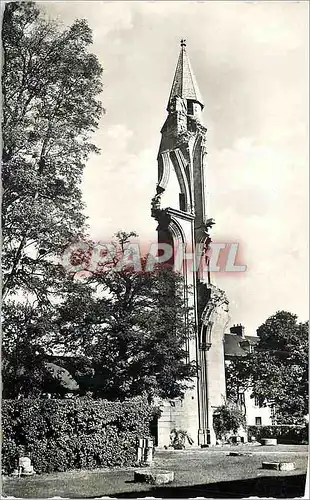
238	454
269	441
153	476
284	466
270	465
287	466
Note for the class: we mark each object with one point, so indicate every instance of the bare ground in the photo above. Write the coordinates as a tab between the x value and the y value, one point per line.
209	473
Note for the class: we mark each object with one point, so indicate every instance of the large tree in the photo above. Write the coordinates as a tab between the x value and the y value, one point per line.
127	323
50	84
128	327
277	372
50	109
133	324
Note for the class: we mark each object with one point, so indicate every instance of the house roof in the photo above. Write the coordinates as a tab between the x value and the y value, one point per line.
251	339
234	345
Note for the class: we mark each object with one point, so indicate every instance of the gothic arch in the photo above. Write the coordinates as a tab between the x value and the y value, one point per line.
180	164
176	230
163	170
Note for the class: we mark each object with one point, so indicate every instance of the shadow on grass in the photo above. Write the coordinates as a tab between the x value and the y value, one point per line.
265	486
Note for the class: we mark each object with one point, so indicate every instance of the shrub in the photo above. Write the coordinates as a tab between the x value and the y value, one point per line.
178	439
227	418
285	434
80	433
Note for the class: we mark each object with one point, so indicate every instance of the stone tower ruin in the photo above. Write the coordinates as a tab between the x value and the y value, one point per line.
179	207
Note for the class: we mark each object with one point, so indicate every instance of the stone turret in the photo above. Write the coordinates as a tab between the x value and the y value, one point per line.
179	207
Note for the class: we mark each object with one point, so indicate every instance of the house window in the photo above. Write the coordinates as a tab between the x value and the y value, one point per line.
258	420
241	398
256	401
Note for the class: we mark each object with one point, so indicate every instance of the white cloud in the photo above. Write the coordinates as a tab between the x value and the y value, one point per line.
251	62
118	186
260	199
106	16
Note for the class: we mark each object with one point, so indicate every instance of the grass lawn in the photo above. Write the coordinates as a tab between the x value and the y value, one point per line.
201	472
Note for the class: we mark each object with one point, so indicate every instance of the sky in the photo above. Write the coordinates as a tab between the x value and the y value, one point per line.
251	63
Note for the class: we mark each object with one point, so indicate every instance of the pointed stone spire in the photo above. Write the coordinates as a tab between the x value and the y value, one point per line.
184	83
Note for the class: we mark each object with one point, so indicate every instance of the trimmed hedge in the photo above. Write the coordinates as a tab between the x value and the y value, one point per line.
285	434
67	434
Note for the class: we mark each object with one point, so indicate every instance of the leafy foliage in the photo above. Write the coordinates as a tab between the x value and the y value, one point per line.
238	379
227	418
179	438
282	364
131	323
277	372
285	434
50	109
50	84
131	326
81	433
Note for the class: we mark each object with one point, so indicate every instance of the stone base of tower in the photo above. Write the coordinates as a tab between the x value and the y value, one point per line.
194	413
179	414
206	437
182	414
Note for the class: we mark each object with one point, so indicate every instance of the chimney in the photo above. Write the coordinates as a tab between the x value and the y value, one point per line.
237	330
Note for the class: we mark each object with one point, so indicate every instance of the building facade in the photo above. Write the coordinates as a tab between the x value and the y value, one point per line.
237	344
179	207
